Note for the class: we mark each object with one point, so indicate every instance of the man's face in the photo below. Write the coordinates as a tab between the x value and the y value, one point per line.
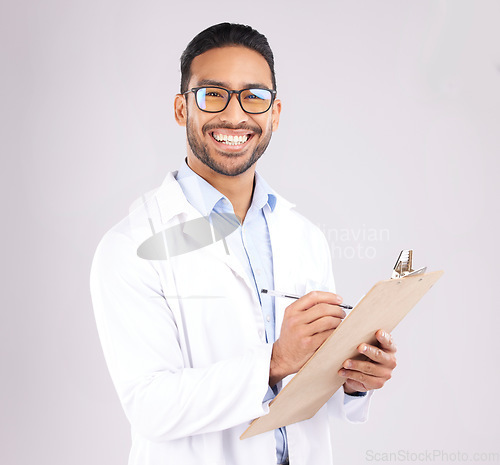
233	68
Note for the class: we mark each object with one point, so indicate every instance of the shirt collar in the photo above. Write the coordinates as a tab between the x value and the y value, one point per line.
205	197
199	193
263	194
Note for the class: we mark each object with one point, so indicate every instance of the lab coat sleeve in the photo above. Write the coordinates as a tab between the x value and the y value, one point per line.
354	409
162	398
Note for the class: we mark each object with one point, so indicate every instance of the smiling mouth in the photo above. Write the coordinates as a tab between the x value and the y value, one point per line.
230	140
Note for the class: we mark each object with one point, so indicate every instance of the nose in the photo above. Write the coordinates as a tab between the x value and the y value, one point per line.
233	113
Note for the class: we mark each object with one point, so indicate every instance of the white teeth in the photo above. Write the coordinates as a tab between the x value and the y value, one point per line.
230	140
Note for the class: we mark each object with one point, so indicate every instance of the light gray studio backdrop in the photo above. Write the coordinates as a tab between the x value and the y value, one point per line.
389	139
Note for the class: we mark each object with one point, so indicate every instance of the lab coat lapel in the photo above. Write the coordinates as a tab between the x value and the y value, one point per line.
196	231
284	256
213	243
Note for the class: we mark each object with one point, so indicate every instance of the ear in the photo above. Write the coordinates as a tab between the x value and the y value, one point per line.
276	114
180	110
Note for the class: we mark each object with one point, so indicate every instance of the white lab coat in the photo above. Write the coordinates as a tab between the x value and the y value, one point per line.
184	339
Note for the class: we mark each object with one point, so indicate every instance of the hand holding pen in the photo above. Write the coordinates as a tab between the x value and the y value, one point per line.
307	323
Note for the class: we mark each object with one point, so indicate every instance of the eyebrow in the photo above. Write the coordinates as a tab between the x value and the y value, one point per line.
212	82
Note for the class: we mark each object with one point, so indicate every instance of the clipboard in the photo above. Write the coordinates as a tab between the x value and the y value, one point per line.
385	305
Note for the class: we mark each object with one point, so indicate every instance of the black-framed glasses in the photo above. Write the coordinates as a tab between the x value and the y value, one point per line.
215	99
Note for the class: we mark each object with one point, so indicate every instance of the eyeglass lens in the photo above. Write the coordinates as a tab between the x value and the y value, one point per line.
213	99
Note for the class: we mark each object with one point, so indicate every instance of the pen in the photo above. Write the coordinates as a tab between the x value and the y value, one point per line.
293	296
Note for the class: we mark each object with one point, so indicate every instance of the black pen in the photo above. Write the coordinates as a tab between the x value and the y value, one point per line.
293	296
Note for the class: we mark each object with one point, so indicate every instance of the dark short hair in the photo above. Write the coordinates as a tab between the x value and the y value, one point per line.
223	35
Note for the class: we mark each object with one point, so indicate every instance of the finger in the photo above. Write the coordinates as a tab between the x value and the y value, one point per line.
386	341
314	298
302	319
325	323
378	355
355	385
368	381
320	311
319	338
369	368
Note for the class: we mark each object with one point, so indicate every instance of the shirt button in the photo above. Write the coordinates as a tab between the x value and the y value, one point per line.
258	272
261	334
268	318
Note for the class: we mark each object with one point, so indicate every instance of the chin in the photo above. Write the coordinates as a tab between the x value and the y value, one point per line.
230	169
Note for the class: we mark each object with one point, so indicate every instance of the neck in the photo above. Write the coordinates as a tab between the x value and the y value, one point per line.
238	189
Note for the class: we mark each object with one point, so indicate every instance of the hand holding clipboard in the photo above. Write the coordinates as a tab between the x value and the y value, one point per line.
384	306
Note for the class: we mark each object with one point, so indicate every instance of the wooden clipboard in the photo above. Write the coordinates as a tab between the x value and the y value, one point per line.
387	303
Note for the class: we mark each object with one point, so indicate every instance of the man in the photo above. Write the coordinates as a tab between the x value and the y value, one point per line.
195	350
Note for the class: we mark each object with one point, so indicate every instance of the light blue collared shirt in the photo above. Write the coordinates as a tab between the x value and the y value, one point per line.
251	244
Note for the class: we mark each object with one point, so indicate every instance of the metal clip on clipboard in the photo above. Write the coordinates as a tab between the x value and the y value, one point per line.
403	266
